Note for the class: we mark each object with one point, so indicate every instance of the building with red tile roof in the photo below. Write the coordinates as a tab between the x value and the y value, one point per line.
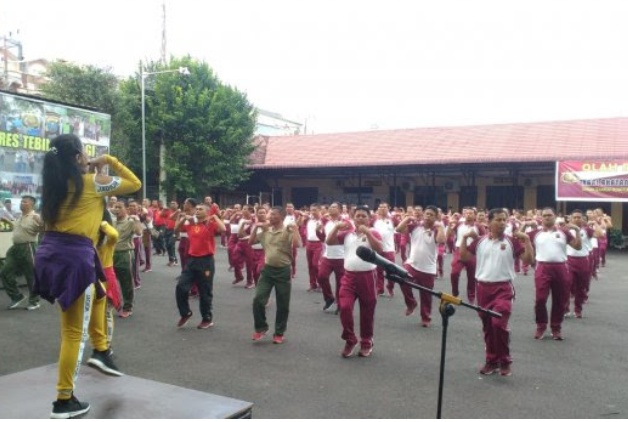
509	165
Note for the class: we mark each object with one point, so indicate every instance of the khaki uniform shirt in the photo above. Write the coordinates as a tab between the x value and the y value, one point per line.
26	228
125	234
277	247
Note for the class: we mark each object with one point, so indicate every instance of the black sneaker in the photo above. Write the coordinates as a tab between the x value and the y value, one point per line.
70	408
103	362
328	303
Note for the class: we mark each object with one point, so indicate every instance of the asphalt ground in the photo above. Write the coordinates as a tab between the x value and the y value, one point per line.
584	376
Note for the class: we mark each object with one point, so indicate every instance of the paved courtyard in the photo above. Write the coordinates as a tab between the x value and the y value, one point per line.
585	376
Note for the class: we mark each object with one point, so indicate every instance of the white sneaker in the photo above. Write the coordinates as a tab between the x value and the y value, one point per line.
33	307
17	303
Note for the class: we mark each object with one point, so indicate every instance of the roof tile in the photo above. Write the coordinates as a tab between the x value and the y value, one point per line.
545	141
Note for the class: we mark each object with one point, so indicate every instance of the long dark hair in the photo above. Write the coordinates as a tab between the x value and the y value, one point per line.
106	216
60	167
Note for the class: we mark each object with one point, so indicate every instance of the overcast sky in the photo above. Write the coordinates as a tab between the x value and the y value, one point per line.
349	65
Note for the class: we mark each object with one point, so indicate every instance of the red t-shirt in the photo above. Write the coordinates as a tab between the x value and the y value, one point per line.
201	235
157	220
214	209
166	220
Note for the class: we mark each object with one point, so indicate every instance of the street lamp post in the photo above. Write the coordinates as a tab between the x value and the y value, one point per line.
143	76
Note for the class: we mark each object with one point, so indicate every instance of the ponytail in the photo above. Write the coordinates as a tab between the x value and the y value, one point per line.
60	168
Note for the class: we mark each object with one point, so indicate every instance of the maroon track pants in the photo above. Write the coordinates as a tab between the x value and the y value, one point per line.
360	285
422	279
456	268
313	252
325	268
380	273
580	275
498	297
552	277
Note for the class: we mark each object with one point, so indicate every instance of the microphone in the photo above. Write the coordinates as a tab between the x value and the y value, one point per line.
369	255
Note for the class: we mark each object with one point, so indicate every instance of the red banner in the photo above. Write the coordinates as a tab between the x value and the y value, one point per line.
595	181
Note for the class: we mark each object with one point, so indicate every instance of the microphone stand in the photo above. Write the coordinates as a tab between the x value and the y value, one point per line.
447	309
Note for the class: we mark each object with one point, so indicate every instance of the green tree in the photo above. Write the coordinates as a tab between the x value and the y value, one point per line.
92	87
205	126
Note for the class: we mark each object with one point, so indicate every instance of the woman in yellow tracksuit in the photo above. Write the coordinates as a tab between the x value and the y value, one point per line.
67	268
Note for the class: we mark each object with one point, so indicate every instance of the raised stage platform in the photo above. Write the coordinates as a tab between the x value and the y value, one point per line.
29	395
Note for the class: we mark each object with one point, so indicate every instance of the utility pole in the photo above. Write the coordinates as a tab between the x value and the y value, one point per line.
163	36
162	148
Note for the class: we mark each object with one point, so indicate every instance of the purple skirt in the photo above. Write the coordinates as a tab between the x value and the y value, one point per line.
65	265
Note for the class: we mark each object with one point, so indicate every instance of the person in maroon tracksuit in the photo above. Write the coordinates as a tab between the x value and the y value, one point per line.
313	245
134	210
605	224
332	259
527	226
495	255
146	218
425	236
579	263
224	236
213	207
256	247
243	253
397	217
451	236
404	240
551	274
291	218
358	282
232	242
466	223
385	226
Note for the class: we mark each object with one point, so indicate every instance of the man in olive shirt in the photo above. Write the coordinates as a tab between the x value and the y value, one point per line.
124	255
20	256
278	243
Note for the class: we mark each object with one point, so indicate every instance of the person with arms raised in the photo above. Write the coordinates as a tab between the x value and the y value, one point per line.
495	255
359	280
67	269
200	269
279	240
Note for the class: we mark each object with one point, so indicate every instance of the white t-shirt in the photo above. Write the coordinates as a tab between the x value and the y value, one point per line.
246	224
386	229
351	242
462	229
423	248
310	228
289	219
594	240
510	228
332	251
495	258
585	235
258	245
551	245
234	228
